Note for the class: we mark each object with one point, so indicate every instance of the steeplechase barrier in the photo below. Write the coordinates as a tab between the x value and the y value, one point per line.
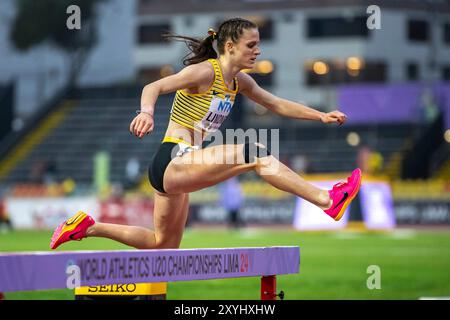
27	271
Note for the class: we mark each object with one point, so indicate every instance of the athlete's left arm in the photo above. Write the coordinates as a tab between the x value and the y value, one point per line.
284	107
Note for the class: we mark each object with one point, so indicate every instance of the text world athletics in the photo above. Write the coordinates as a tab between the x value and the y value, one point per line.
159	266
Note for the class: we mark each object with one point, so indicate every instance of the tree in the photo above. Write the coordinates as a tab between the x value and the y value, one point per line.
44	21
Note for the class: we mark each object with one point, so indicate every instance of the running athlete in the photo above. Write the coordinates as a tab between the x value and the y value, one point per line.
205	92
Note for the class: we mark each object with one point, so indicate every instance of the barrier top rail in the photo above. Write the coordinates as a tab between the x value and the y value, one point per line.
23	271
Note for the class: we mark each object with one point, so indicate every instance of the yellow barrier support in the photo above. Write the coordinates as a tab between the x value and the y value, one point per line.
130	291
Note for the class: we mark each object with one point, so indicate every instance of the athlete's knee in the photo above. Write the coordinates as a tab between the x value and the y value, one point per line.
167	245
254	150
166	242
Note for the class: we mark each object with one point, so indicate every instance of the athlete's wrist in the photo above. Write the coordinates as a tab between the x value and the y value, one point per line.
144	112
322	116
147	110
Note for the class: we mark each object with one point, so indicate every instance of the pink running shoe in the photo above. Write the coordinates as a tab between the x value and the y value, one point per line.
343	193
72	229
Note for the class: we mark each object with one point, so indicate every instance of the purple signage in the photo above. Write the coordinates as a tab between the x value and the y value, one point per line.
393	103
49	270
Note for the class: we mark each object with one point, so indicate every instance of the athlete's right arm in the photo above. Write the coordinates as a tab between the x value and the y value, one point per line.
192	76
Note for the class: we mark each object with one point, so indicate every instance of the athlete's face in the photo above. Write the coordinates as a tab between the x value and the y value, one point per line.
245	51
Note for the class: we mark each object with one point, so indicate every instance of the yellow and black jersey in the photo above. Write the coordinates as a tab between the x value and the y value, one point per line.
205	111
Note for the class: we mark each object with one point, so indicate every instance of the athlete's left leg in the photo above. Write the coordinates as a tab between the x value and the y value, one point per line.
169	218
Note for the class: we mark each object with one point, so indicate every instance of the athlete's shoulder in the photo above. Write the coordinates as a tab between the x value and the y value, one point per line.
195	75
202	69
245	81
243	76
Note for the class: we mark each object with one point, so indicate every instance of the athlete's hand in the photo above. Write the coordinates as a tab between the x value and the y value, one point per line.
142	124
333	116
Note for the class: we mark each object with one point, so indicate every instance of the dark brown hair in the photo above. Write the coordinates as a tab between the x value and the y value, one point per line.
202	49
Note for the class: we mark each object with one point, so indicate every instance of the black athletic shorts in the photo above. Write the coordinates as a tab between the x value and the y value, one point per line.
159	163
161	159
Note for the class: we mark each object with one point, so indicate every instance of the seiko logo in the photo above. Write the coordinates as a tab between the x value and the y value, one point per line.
130	287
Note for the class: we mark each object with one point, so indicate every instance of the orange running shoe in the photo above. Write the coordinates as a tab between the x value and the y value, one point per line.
342	194
71	229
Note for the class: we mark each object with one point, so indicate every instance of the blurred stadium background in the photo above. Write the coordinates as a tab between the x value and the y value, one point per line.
67	98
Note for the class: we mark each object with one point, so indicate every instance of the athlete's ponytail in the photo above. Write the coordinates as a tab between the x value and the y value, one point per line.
202	49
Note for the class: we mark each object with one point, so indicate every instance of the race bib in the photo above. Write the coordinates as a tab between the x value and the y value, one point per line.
216	115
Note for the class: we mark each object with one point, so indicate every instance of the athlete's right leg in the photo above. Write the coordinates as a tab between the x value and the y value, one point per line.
195	171
191	173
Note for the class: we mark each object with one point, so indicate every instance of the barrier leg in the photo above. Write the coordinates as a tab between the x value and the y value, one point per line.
268	288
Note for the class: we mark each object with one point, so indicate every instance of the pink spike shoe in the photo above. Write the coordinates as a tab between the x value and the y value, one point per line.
342	194
71	229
